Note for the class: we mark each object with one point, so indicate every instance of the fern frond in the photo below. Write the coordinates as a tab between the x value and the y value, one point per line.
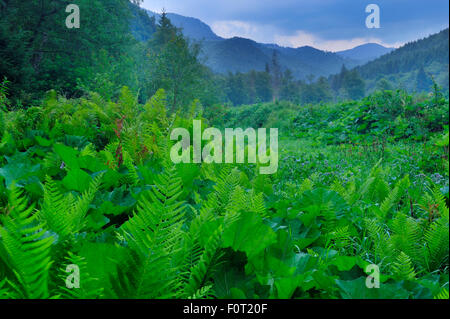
340	237
407	237
403	268
27	247
85	290
394	197
154	234
257	204
203	293
379	189
132	171
380	239
5	291
338	188
306	185
437	243
201	273
88	150
65	215
365	187
443	294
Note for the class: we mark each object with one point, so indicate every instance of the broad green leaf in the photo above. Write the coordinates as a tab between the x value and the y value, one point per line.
249	234
77	180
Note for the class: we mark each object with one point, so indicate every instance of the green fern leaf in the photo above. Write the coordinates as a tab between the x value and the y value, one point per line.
27	247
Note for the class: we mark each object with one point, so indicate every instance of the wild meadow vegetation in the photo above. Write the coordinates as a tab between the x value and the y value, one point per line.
86	179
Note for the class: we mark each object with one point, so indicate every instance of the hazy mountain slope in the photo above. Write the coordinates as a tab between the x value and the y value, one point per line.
193	28
365	52
307	60
234	55
401	67
243	55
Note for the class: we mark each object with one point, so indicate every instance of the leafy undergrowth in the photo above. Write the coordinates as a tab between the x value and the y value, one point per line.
89	182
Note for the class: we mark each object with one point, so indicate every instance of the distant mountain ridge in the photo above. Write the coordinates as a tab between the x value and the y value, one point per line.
243	55
366	52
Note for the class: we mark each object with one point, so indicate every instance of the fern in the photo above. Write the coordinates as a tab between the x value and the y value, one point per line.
88	150
132	171
437	244
225	188
407	237
87	289
380	239
2	123
443	294
202	271
27	247
155	236
379	189
340	237
393	197
436	235
65	215
403	268
257	204
306	185
341	190
5	291
365	187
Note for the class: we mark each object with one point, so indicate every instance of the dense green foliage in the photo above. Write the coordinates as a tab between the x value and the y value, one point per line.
118	44
89	182
38	51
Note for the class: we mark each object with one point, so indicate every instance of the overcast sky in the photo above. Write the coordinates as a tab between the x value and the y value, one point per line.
331	25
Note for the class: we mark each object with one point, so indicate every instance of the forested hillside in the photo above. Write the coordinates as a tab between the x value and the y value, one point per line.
40	53
412	66
119	44
244	55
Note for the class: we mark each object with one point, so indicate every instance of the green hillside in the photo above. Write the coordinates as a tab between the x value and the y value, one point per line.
402	67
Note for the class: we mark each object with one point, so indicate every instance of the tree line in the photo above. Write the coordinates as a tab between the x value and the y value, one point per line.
273	84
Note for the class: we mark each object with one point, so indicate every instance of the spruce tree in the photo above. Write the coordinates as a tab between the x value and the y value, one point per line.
423	81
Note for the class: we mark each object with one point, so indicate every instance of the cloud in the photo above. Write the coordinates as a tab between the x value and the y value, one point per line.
272	34
324	23
235	28
302	38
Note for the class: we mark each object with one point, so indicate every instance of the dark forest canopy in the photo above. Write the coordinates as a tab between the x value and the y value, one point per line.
39	52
